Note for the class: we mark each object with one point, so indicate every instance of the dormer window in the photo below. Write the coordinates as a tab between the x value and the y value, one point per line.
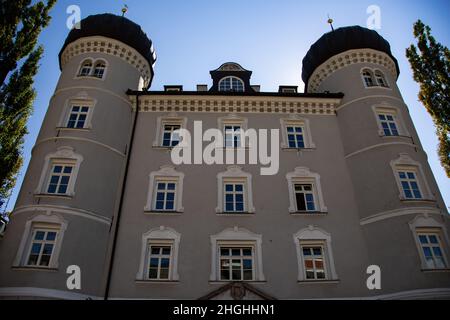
231	84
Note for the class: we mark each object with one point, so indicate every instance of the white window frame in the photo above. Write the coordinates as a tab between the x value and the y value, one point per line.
231	245
424	223
383	76
81	66
296	122
63	155
236	237
81	99
170	119
231	79
303	175
374	82
314	236
406	163
91	73
396	113
42	221
97	62
233	120
167	174
163	236
234	174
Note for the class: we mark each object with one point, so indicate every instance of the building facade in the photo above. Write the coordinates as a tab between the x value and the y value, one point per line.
353	187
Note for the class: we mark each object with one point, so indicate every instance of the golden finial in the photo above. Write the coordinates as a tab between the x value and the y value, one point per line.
330	22
124	10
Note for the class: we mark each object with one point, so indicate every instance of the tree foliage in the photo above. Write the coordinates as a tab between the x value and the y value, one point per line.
21	23
430	62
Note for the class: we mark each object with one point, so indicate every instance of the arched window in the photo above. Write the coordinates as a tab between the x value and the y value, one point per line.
231	84
85	69
381	81
368	78
99	69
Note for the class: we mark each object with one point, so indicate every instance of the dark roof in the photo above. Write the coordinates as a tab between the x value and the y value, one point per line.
341	40
115	27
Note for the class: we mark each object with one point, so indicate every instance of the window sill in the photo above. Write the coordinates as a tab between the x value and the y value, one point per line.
26	268
74	129
235	214
309	214
429	201
297	149
318	281
236	281
163	213
163	148
435	270
54	196
89	77
157	281
378	87
383	136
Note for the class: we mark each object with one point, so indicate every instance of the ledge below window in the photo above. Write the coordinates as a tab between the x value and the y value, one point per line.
297	149
435	270
25	268
157	281
163	213
73	129
309	214
235	214
55	196
235	281
319	281
429	201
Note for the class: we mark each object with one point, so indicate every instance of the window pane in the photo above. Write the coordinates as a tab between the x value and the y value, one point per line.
166	250
164	273
423	239
39	235
45	260
153	273
433	239
155	250
165	263
154	263
51	236
36	248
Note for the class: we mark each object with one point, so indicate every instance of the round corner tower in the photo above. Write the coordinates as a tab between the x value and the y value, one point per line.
69	196
393	184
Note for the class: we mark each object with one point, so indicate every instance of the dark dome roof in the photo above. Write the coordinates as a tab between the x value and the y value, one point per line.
341	40
115	27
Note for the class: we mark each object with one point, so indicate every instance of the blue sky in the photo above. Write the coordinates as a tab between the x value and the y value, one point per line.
266	36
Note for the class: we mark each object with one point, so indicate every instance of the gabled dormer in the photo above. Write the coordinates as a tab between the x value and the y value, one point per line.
231	77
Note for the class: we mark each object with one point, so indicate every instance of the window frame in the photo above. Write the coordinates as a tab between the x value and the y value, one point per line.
296	121
82	99
242	257
398	119
94	63
170	119
235	121
167	174
44	242
231	78
237	237
302	175
159	244
372	78
378	74
64	164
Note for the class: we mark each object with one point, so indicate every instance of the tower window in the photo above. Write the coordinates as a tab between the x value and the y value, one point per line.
41	248
381	81
388	124
78	116
368	78
59	179
231	84
86	68
432	250
99	69
410	185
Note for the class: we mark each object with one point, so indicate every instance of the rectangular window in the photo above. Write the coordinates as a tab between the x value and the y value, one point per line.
432	250
159	262
236	264
78	116
170	137
314	262
59	178
409	184
234	197
304	196
233	136
41	247
388	124
295	137
165	196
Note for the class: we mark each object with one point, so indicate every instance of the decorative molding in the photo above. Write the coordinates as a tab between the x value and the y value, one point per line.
236	104
235	172
347	58
387	108
65	210
398	213
378	145
377	96
103	45
127	101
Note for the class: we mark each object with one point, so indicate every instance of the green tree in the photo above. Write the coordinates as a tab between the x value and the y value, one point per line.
430	62
21	23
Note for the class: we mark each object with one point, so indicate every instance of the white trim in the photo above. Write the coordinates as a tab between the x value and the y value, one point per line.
313	233
398	213
166	173
170	119
295	120
424	222
52	139
405	162
385	108
370	97
63	209
233	119
156	235
124	99
83	100
44	293
55	221
380	145
304	175
235	172
236	236
62	154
